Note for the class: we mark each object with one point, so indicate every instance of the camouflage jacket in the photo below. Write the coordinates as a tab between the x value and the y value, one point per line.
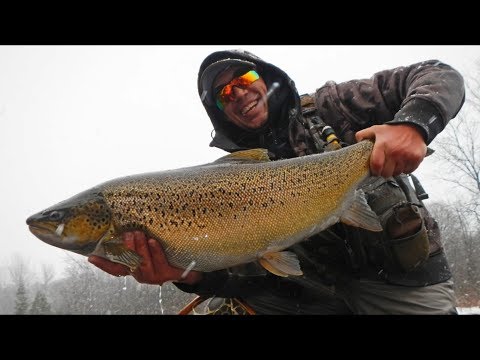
426	95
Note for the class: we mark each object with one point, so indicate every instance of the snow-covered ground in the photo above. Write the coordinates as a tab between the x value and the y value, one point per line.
469	311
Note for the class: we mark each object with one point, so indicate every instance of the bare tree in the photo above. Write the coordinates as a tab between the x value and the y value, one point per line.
459	151
48	273
458	155
19	270
462	249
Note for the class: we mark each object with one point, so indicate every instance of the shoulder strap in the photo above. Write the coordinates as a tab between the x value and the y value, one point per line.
322	134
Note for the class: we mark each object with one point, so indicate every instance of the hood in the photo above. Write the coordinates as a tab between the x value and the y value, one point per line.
285	97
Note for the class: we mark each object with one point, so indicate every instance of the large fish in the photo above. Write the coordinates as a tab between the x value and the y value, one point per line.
240	208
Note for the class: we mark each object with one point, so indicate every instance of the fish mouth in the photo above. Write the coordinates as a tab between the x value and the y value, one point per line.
49	235
45	234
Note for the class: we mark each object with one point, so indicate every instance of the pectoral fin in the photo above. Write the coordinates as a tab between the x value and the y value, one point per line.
283	263
360	214
119	253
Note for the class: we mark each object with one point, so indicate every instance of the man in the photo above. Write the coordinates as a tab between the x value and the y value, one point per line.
402	270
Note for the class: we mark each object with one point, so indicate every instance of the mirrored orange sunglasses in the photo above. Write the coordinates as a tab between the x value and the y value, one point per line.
225	94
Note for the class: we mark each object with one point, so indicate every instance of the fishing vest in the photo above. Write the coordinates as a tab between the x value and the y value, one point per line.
408	251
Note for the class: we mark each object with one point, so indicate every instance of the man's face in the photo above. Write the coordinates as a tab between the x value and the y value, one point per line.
247	106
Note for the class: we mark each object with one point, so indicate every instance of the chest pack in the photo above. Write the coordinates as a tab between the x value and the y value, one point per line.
403	245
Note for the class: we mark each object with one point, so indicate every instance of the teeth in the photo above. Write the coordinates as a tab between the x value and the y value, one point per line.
59	230
249	107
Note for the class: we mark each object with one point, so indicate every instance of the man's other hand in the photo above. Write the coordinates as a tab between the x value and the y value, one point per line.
154	268
398	148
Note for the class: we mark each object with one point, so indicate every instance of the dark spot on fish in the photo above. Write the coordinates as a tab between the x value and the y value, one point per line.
230	204
264	205
244	208
150	221
250	202
174	223
163	213
204	210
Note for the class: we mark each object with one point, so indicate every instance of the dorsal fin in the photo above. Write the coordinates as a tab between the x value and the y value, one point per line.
248	156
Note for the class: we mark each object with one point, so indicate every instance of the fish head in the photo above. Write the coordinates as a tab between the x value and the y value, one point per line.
76	224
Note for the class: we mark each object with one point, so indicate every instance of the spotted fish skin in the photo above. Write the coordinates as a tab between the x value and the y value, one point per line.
235	210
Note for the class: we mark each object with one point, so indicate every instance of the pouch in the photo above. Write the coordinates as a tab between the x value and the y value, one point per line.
405	239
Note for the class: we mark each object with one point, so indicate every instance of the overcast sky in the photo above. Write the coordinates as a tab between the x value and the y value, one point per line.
72	117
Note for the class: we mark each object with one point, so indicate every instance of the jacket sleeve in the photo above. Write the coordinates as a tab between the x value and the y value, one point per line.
242	280
427	94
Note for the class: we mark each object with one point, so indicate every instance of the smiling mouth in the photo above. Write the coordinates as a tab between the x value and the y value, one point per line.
249	107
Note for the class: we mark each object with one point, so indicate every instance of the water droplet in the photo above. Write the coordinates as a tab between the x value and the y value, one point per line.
124	283
188	269
160	299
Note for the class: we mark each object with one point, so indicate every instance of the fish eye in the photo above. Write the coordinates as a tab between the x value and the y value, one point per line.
55	215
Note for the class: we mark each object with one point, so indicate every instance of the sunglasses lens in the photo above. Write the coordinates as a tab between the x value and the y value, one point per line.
226	94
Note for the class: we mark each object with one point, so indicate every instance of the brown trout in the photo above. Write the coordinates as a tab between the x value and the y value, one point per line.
238	209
